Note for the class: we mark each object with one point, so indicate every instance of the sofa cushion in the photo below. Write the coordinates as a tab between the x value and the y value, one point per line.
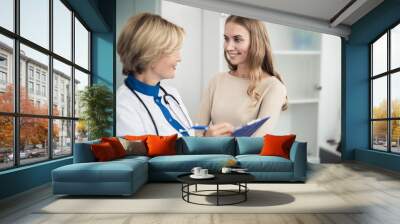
257	163
134	147
111	171
185	163
206	145
249	145
132	159
161	145
103	152
116	145
83	153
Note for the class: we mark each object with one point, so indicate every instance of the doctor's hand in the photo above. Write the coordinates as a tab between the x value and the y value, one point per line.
221	129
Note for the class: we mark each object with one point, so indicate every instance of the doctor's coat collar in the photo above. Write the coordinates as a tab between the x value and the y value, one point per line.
142	87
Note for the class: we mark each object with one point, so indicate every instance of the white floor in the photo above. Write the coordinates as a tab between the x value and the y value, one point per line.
378	189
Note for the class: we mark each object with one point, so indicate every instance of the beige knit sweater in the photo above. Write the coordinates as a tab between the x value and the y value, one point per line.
226	100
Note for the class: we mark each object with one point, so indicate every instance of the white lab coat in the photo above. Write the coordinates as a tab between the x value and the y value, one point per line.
133	119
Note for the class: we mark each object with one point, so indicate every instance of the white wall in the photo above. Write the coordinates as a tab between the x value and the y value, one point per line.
330	94
124	10
201	51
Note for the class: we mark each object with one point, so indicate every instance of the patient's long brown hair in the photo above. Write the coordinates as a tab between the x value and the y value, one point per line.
259	56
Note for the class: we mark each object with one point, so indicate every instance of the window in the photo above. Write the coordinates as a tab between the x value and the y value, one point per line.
37	74
43	77
30	87
6	90
34	22
43	90
3	72
30	72
385	91
38	89
54	125
62	30
7	14
3	61
81	45
63	75
3	77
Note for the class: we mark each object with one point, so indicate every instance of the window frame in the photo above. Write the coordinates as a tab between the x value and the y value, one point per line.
388	74
16	115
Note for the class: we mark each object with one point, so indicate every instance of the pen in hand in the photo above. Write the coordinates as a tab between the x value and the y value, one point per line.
200	127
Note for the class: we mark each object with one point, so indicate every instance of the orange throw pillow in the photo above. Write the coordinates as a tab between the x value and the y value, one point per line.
103	151
161	145
137	137
277	145
116	145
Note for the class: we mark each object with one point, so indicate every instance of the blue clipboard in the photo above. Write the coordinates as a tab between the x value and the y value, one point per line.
249	128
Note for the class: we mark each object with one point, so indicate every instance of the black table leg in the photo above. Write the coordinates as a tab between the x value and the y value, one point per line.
188	189
245	193
196	188
217	194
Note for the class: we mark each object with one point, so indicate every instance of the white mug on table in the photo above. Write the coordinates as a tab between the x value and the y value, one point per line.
196	171
203	172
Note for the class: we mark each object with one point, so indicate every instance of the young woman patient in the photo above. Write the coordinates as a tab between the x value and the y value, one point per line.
252	88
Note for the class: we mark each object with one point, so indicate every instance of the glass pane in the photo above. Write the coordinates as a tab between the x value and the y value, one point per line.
395	47
395	94
33	139
395	136
379	135
6	142
81	131
62	141
379	98
81	45
379	55
34	92
62	29
7	14
81	81
6	74
62	89
35	21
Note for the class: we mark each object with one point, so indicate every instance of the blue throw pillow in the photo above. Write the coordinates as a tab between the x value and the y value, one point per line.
206	145
249	145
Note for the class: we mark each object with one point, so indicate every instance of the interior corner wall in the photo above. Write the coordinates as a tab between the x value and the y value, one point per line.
126	9
103	52
355	81
24	178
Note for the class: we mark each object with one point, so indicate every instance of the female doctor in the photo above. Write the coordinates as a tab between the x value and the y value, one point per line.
149	49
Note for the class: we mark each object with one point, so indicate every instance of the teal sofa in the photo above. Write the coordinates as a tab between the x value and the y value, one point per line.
125	176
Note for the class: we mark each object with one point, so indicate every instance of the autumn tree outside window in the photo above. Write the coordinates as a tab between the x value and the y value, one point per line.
44	64
385	91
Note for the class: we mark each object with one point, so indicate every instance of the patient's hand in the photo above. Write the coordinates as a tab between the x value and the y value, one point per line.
221	129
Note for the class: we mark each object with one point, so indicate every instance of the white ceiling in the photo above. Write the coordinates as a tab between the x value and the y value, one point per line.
320	9
313	15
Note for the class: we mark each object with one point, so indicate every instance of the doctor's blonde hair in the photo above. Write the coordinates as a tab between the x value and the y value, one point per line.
144	39
259	54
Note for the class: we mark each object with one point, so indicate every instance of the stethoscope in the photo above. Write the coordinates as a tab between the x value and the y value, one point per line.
165	98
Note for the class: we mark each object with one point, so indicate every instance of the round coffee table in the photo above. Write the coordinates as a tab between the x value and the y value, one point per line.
238	179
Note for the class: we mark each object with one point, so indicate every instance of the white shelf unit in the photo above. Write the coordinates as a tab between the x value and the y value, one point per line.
296	52
310	64
300	67
303	101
